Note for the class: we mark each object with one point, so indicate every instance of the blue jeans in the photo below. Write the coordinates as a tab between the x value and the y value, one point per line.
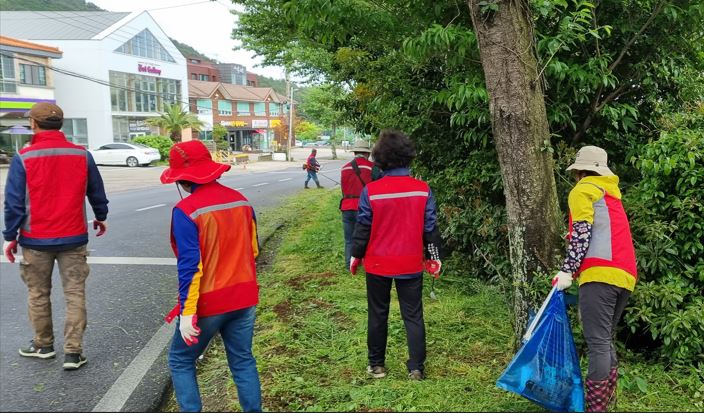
314	176
236	329
349	219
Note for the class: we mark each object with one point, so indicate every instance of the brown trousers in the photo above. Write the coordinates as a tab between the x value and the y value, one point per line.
36	268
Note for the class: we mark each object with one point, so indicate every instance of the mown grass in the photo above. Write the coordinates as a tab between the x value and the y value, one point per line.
310	338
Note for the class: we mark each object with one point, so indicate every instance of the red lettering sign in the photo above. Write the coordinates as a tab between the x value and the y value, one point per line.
149	69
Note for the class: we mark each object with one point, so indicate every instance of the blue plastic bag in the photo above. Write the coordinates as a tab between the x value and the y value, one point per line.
546	368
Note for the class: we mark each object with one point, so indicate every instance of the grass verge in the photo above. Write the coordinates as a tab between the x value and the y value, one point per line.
310	340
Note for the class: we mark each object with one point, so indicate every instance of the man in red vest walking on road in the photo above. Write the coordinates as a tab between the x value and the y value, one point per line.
355	175
397	236
214	237
47	185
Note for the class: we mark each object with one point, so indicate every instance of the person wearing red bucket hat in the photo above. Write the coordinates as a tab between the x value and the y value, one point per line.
214	238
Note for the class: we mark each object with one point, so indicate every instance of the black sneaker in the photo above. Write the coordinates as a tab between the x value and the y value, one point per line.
378	372
38	352
416	375
73	361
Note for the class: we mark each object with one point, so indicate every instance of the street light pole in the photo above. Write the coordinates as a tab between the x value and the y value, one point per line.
290	118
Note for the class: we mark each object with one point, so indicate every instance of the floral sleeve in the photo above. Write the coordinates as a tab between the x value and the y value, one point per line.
579	244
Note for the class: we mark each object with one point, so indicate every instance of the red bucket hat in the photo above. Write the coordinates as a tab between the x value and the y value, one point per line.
191	161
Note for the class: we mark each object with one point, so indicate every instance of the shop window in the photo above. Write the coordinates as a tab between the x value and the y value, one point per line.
76	130
8	83
204	78
144	44
32	75
243	109
205	106
274	109
260	109
225	108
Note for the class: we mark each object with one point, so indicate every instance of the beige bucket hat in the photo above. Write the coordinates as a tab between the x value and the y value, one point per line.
361	145
591	158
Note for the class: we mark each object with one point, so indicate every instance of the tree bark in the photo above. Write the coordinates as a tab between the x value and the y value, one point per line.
520	130
333	139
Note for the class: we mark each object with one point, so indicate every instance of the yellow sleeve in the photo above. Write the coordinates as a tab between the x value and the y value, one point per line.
190	306
581	202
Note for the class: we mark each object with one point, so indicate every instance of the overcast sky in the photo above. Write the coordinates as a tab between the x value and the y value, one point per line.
204	25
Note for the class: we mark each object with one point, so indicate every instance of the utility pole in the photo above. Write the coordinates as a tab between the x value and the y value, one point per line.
290	116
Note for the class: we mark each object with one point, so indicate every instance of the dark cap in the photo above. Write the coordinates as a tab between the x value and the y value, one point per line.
45	112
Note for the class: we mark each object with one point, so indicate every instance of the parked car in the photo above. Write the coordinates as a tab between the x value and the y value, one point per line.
130	154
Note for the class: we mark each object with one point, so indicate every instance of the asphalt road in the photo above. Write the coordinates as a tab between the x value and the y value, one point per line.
126	304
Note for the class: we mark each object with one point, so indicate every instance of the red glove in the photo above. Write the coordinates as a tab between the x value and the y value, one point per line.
100	224
433	267
354	263
10	248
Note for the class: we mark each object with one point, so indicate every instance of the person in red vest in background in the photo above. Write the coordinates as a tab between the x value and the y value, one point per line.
396	237
355	175
214	237
601	256
45	194
312	166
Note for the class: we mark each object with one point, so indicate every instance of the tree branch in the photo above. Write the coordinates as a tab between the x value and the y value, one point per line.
632	40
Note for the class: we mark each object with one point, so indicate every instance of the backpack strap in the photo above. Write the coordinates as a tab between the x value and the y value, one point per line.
357	172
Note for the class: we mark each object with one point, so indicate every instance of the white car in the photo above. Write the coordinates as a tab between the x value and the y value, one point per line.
130	154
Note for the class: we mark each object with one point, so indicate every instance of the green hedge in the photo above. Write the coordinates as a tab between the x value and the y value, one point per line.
162	143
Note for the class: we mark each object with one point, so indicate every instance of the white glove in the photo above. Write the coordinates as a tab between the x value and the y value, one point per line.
188	328
562	281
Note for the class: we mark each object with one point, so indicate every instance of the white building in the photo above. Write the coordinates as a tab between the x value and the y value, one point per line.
117	70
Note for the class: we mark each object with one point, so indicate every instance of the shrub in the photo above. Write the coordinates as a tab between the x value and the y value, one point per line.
162	143
666	209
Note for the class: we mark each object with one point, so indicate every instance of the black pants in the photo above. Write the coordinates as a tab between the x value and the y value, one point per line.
410	298
600	307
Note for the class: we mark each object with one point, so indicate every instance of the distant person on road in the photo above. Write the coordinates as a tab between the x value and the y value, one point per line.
214	237
355	175
601	255
396	237
312	166
45	193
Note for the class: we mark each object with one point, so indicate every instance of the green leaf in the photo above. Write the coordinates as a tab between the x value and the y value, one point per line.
641	384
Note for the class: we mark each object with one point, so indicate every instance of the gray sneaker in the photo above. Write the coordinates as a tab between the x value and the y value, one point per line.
73	361
416	375
38	352
378	372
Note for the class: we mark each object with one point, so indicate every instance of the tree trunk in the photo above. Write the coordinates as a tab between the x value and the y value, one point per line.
176	136
520	129
333	140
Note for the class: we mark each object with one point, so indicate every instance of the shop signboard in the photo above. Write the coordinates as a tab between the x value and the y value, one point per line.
260	123
274	123
138	125
235	123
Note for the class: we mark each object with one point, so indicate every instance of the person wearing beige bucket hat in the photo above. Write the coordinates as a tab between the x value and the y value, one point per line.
601	256
214	238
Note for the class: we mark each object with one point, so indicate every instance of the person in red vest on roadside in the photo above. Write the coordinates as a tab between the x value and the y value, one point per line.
396	237
214	237
601	256
354	176
47	185
312	166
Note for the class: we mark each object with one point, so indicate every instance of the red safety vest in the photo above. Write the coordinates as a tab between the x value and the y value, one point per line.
56	173
611	243
398	216
352	185
228	247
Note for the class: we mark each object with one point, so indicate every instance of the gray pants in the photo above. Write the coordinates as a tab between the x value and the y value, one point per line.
600	307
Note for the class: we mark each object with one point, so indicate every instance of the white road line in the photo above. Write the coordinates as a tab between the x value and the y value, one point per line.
262	184
120	391
150	207
238	189
285	179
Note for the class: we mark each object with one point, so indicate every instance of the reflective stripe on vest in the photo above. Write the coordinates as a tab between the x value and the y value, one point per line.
398	195
220	207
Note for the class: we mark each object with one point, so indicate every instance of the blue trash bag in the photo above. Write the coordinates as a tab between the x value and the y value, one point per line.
546	368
